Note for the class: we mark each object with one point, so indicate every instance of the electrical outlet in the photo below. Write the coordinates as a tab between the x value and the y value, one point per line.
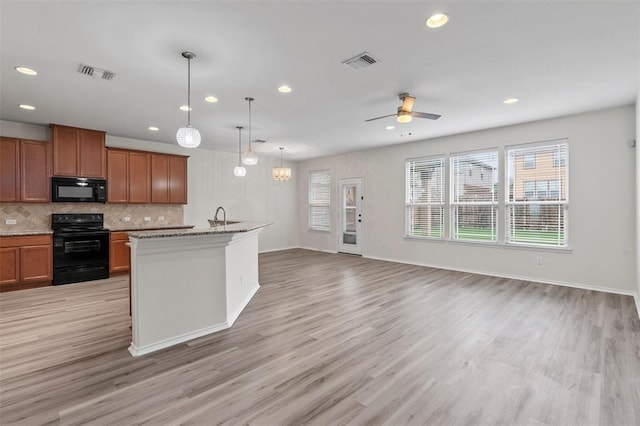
10	222
126	219
539	260
147	218
160	217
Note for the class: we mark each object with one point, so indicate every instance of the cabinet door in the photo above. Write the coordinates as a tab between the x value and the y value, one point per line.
139	177
119	253
9	170
34	165
178	180
92	154
9	265
159	178
66	155
36	263
117	176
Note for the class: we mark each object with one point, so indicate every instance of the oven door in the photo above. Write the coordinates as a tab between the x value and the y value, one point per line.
80	249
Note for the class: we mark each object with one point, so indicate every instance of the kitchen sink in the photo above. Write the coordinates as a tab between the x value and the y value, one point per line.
216	223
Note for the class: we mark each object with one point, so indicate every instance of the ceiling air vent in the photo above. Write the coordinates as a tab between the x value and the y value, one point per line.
96	72
360	61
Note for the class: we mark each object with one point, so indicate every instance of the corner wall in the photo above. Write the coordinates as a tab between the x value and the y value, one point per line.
602	222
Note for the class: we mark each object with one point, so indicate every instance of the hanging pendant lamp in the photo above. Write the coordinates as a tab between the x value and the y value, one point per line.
239	170
249	157
188	137
281	173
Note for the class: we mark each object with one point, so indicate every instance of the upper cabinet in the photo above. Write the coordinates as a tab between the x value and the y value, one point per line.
24	171
78	152
169	179
146	177
128	176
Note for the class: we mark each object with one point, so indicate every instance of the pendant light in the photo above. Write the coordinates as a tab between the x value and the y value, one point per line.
281	173
239	170
249	157
188	137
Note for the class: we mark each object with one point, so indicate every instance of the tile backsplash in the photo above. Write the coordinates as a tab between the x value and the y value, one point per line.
37	216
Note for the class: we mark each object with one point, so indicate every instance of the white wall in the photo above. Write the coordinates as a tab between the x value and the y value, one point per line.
211	183
601	210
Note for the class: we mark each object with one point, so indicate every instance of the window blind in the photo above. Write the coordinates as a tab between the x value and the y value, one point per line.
425	197
474	196
537	197
320	201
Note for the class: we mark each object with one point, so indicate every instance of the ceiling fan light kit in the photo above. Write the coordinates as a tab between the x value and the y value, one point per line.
405	113
188	136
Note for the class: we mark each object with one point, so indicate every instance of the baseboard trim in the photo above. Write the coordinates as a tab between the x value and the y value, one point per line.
278	249
137	351
234	315
317	249
514	277
637	298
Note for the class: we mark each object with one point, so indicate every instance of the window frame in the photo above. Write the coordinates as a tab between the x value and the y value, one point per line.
313	203
494	203
536	203
439	204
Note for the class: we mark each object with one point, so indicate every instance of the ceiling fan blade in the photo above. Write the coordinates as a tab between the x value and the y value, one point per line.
407	103
425	115
378	118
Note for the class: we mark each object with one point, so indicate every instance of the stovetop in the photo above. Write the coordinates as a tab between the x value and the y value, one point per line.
77	222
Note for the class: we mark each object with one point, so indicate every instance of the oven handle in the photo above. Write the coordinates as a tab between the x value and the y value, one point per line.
90	234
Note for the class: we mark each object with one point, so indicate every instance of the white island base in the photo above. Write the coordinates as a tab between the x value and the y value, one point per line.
190	283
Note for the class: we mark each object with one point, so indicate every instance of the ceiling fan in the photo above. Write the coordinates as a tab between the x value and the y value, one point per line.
404	113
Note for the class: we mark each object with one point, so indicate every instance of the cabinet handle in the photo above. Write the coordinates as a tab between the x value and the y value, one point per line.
127	244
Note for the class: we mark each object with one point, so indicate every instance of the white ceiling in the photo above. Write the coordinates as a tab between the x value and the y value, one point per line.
557	57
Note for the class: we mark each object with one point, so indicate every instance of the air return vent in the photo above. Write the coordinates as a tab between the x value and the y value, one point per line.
96	72
360	61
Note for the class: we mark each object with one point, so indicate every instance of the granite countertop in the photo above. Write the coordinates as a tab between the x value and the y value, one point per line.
25	233
222	229
125	228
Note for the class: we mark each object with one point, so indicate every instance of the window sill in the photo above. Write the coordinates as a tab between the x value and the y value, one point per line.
538	248
413	237
326	231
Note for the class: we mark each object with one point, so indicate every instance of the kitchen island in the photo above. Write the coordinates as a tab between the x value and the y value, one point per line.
187	283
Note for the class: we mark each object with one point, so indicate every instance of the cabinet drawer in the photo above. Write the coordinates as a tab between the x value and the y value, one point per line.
27	240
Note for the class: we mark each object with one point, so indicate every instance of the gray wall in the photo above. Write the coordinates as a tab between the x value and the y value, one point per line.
601	217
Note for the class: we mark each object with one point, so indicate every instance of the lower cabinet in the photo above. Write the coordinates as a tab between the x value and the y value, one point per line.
119	252
26	260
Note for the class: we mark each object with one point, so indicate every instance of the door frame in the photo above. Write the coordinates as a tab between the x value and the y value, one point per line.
340	246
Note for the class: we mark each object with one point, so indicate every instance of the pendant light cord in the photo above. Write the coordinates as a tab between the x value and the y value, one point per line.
239	146
188	91
250	123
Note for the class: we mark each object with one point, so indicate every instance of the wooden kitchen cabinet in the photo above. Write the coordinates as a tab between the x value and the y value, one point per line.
128	176
26	260
169	179
25	171
117	176
119	252
78	152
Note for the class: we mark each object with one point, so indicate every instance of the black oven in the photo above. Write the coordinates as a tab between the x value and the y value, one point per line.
80	248
75	190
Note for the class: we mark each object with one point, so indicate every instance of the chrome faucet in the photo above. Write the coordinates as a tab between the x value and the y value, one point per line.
224	215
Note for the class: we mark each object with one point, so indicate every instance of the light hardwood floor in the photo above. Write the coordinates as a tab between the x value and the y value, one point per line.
331	339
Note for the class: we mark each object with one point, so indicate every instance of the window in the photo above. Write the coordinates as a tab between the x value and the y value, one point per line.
529	160
537	198
474	199
425	197
320	201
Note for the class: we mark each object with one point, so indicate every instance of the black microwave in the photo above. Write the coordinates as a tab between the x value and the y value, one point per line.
78	190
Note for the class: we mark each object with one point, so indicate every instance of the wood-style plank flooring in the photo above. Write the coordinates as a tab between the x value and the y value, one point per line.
331	339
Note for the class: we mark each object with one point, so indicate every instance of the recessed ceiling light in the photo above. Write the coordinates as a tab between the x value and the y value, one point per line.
437	20
390	127
185	108
211	99
284	89
153	128
29	107
510	101
27	71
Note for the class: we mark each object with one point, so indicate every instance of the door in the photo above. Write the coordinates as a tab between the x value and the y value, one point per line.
350	229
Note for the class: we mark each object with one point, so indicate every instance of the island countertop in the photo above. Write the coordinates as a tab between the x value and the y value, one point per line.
221	229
